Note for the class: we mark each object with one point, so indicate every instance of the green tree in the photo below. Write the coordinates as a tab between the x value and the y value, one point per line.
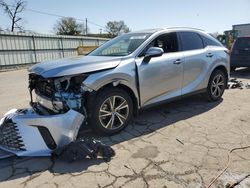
13	10
69	26
114	28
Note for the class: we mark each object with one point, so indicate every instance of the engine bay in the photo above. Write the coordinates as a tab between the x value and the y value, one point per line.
57	95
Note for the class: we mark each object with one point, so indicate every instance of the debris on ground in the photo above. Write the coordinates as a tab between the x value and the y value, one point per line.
234	83
84	148
179	141
248	85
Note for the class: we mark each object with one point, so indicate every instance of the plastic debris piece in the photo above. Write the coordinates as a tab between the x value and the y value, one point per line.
234	83
179	141
84	148
248	85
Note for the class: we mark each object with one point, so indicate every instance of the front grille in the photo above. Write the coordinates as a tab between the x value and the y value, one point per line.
9	136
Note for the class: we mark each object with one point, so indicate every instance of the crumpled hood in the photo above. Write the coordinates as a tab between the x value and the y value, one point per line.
74	65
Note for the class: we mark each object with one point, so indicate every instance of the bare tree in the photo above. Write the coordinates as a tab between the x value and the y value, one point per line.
13	12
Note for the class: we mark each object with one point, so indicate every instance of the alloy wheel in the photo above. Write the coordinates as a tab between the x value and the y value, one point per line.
114	112
217	86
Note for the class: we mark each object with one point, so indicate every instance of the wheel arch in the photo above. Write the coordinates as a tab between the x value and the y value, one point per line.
116	84
221	68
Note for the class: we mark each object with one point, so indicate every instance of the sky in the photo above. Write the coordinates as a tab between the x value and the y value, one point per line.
209	15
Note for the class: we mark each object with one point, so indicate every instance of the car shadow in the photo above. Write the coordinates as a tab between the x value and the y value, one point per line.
145	123
241	73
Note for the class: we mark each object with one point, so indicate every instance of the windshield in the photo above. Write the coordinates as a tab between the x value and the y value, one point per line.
242	43
122	45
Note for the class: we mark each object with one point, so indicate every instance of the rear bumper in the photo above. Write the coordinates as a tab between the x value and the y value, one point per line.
26	133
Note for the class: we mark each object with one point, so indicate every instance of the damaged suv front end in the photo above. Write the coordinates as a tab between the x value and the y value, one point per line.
58	86
56	114
54	119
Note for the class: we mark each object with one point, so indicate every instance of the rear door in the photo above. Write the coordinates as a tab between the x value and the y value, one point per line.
197	56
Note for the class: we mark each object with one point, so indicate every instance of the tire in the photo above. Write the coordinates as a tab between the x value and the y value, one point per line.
104	119
216	85
232	69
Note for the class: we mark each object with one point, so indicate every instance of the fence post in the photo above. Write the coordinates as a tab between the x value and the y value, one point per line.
34	47
62	46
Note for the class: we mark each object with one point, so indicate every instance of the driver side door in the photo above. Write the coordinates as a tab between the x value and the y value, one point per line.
160	78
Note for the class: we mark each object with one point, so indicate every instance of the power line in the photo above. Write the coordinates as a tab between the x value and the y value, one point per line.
93	23
60	16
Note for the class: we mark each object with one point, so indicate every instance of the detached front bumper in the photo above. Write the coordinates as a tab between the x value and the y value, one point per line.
26	133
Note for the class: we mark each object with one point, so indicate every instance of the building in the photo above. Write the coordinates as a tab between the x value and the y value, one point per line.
242	29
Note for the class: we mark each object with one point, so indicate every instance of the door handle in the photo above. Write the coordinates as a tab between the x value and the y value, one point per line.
177	62
210	55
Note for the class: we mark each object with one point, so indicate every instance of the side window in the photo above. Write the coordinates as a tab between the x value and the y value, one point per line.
168	42
210	42
191	41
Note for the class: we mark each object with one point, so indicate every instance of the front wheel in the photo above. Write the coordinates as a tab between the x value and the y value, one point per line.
112	110
216	86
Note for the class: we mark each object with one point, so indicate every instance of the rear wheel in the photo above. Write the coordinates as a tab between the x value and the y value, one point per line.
112	110
216	86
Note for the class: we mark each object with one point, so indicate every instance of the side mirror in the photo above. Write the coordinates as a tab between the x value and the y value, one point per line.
154	52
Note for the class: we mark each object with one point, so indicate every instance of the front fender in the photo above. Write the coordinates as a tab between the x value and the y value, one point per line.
98	80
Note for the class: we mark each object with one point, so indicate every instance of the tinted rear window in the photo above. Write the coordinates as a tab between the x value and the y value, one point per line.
191	41
210	42
242	43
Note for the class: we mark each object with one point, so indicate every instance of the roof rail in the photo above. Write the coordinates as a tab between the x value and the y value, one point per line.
184	28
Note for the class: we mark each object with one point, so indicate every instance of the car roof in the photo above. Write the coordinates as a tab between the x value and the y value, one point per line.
169	29
147	31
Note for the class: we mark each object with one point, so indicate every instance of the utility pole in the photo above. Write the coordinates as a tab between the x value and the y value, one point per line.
86	26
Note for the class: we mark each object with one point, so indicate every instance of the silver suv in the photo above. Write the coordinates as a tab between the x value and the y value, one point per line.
131	72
